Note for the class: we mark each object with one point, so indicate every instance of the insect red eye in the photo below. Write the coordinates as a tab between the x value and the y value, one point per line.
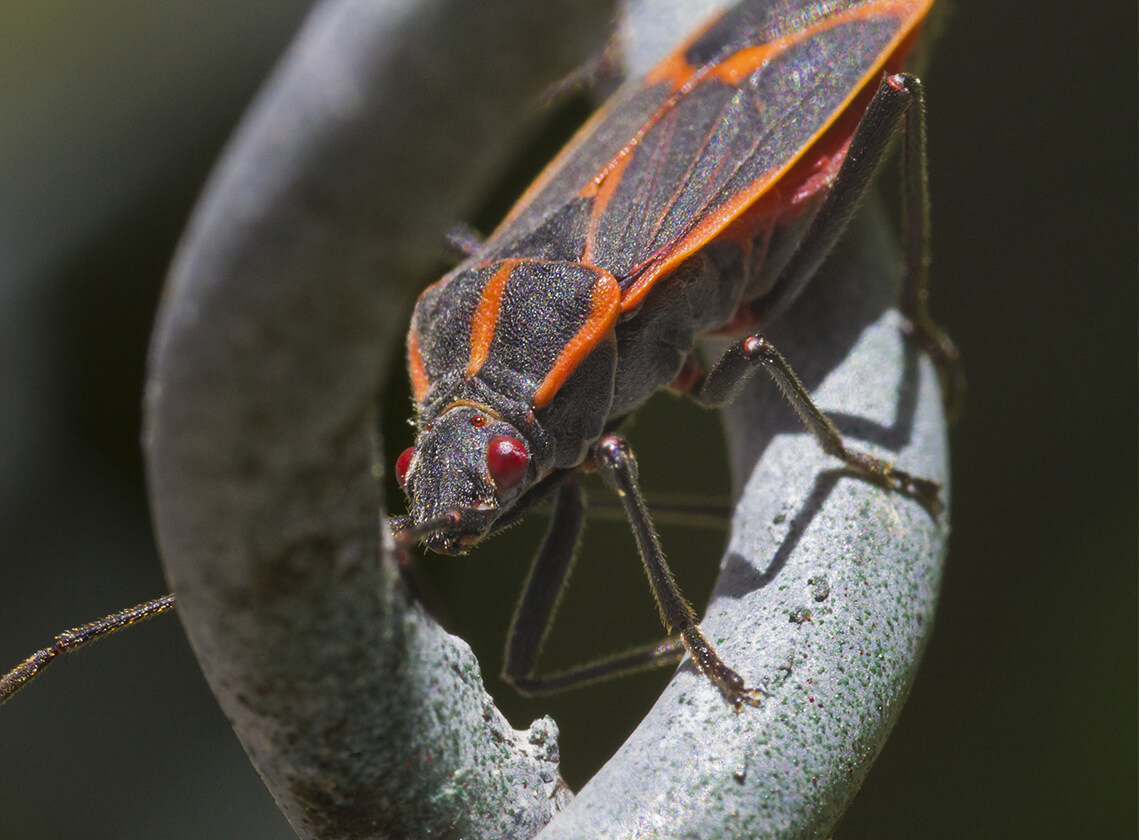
403	463
507	460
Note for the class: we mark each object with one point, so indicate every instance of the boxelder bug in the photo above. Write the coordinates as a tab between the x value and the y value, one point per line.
699	200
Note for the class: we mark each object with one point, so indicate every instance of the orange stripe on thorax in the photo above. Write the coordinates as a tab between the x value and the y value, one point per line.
605	302
416	370
487	317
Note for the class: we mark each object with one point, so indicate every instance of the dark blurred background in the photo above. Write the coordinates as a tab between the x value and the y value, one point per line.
111	115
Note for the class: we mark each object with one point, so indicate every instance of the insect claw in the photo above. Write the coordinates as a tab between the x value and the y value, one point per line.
738	695
927	493
922	490
750	696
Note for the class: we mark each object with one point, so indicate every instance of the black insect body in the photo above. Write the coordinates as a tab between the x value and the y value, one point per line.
701	199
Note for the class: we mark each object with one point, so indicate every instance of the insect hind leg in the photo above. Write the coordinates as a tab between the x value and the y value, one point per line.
899	104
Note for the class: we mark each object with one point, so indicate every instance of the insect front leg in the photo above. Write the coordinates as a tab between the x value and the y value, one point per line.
738	363
539	602
618	469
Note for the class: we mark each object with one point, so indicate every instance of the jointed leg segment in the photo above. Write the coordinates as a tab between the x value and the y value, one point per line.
551	567
78	637
734	368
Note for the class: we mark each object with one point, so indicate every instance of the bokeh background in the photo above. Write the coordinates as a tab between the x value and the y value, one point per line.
1022	717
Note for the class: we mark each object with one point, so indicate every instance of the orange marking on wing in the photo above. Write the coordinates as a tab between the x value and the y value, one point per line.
486	317
675	70
736	67
656	75
601	192
604	306
711	225
682	77
552	169
416	371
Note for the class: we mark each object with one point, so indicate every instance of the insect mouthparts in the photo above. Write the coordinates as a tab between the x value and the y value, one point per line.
441	543
408	533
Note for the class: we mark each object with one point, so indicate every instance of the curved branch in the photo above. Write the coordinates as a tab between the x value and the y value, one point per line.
284	304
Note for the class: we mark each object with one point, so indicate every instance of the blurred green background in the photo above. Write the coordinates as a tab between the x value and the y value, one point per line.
111	115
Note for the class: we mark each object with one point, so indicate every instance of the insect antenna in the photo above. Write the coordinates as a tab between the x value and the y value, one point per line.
76	638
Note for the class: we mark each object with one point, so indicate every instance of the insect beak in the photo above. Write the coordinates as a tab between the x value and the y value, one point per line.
441	543
440	534
431	532
450	542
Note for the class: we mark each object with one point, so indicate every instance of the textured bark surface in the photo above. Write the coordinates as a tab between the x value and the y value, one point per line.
284	305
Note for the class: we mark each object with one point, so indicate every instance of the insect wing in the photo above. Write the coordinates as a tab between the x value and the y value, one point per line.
672	161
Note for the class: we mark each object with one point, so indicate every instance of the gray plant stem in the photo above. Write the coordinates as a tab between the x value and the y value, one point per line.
287	298
285	302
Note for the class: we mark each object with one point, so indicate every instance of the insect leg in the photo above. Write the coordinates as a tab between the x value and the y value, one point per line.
898	104
548	575
915	290
744	357
76	638
536	609
618	469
